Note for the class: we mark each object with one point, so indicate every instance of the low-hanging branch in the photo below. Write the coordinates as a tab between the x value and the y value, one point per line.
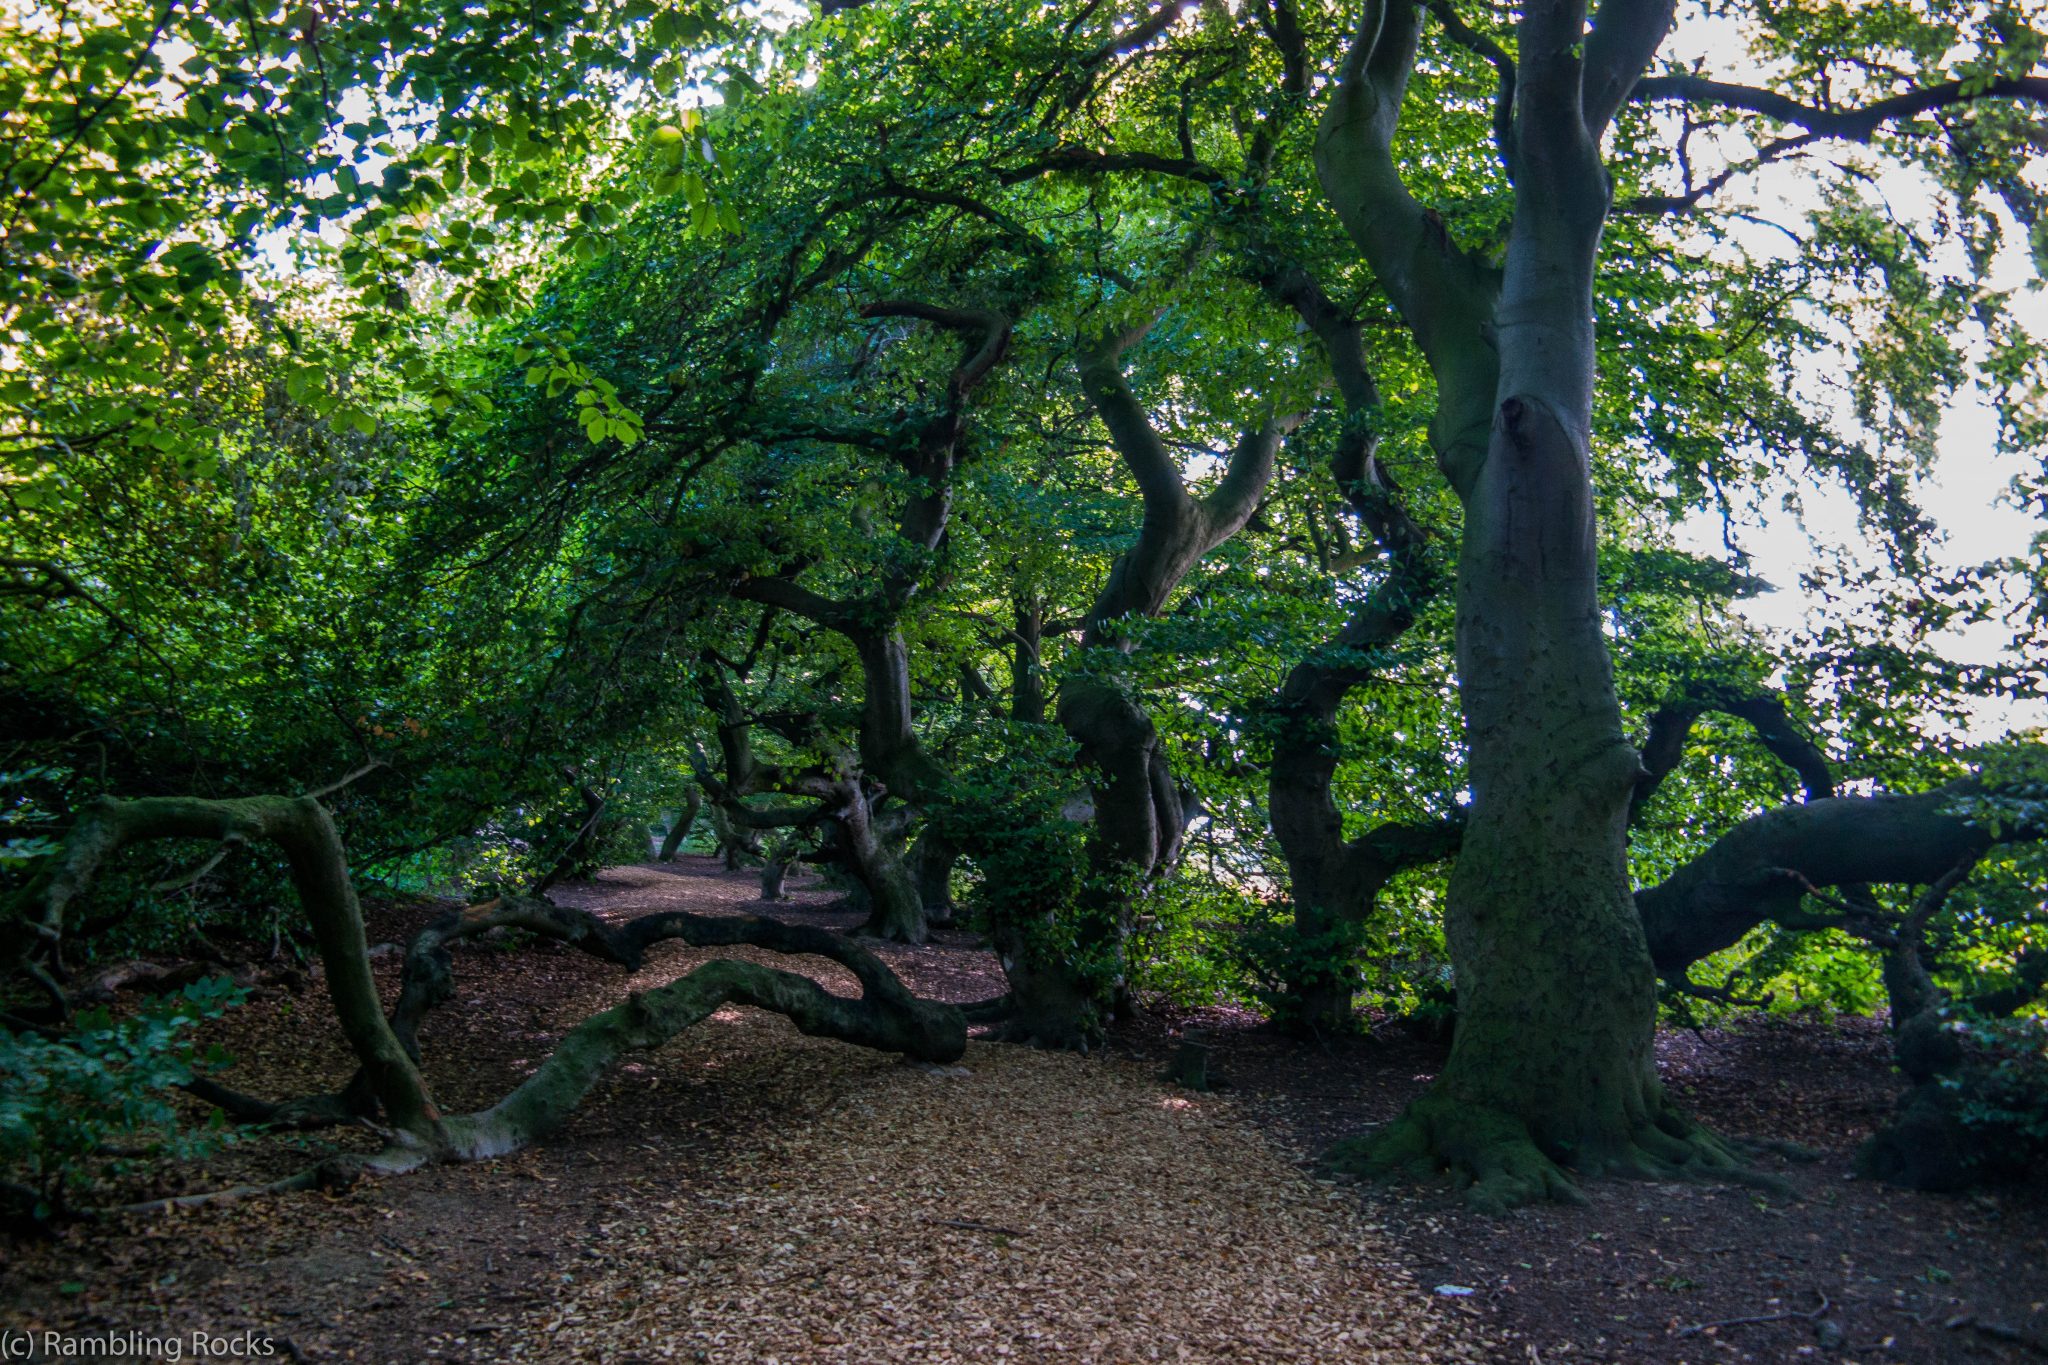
1765	867
886	1016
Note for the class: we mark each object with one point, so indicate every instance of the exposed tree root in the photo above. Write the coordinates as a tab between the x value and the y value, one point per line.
335	1173
1809	1315
429	977
886	1015
312	1178
993	1010
1495	1162
1056	1031
352	1104
925	1031
910	936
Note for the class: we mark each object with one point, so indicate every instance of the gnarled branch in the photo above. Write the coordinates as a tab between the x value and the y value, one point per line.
886	1015
1663	748
1853	125
1766	866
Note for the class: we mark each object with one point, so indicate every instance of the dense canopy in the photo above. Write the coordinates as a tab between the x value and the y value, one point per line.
1248	501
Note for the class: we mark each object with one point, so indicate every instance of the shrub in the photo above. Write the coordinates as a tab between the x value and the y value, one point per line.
65	1101
1980	1116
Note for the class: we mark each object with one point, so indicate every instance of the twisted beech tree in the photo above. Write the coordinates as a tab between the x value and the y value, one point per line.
389	1083
1551	1063
1288	401
1141	811
1556	993
928	450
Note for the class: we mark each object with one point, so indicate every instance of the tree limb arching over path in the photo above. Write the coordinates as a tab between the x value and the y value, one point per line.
887	1016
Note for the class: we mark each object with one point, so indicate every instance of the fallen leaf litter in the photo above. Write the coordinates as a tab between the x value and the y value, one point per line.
1041	1206
1020	1206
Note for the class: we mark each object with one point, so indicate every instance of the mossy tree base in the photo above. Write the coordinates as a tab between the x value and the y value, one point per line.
1493	1160
1048	1005
1045	1009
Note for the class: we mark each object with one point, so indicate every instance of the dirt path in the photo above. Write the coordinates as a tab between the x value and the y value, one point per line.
1681	1274
747	1194
1021	1205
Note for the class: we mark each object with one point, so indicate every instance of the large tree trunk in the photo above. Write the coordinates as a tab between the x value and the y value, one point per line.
679	827
870	849
932	859
782	851
1139	816
889	752
1027	664
1134	840
1049	1004
889	749
1322	981
1551	1063
1335	883
1556	994
1140	811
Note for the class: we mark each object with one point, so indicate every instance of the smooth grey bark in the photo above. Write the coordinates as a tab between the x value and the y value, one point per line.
679	827
1027	663
1551	1064
932	859
782	851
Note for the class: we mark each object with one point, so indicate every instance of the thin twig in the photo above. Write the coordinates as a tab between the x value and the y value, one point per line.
1786	1316
170	884
364	771
971	1226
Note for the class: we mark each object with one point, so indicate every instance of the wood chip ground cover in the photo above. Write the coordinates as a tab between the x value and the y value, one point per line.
1021	1205
747	1194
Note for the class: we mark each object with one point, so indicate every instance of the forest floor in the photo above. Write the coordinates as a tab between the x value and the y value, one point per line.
748	1194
